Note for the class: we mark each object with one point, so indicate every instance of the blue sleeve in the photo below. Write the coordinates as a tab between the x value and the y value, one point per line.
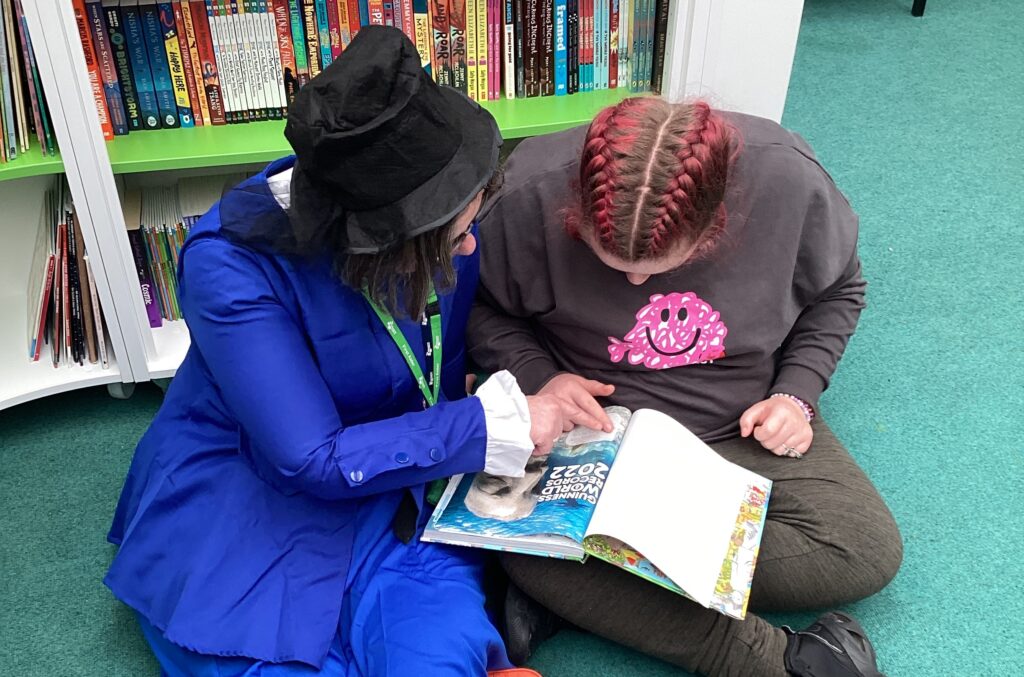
258	356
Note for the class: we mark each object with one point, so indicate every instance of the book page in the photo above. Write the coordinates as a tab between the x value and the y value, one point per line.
672	498
557	495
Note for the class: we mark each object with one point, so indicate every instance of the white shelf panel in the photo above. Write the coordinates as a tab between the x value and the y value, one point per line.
24	381
171	342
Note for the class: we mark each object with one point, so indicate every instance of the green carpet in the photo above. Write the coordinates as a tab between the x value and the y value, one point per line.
920	123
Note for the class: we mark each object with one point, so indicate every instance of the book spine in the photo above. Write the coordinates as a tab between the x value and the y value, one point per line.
652	12
636	50
364	12
309	28
603	37
472	52
76	330
35	86
270	58
186	63
175	65
149	109
509	49
522	41
613	46
65	291
355	16
16	86
457	17
9	147
96	85
333	28
573	84
145	280
222	51
482	50
107	68
375	8
275	56
561	60
323	33
122	62
547	48
289	72
344	24
625	14
245	33
660	37
195	37
97	314
442	64
389	12
408	22
424	33
209	69
531	41
88	332
298	42
44	308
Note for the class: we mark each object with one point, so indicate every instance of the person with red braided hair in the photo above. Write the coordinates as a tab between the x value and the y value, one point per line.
704	264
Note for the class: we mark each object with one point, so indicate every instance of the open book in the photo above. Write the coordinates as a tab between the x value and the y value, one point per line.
649	497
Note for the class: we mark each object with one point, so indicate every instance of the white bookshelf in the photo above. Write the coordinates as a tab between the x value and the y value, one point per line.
736	53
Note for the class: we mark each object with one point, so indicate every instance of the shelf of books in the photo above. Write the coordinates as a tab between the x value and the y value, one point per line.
52	329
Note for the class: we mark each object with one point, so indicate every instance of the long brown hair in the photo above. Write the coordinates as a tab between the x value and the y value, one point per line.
400	279
653	175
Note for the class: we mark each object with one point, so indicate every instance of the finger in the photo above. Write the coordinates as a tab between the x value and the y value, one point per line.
598	389
750	419
779	438
767	429
591	406
577	415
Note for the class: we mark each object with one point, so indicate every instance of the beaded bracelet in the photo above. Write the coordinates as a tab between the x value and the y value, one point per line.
807	409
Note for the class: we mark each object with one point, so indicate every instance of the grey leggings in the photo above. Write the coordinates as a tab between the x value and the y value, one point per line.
829	539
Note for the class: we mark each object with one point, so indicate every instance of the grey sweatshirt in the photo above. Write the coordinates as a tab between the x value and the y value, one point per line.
769	311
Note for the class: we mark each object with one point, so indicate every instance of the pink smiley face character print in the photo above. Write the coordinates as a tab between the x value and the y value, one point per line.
672	331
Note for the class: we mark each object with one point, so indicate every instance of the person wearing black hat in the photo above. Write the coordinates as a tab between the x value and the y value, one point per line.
268	524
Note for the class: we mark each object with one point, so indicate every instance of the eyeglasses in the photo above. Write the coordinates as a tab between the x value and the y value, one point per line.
461	237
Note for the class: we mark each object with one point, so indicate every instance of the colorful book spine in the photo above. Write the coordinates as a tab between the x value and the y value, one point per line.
323	33
149	298
8	133
269	58
522	40
460	69
547	48
176	68
296	18
603	38
472	52
355	15
424	33
625	26
442	60
311	31
482	50
274	58
289	72
251	75
408	19
95	81
636	50
531	43
209	69
122	63
573	56
375	9
561	59
333	28
107	67
186	42
613	46
509	49
389	12
344	24
149	109
225	61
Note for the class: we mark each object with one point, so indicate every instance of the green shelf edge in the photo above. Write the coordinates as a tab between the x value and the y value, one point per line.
31	163
260	142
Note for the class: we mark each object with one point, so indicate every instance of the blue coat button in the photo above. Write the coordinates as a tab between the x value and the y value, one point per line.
402	457
435	454
356	476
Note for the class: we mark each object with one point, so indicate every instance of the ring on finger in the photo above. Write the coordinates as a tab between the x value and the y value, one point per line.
791	452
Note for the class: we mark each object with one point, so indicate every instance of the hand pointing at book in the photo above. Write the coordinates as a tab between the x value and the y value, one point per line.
579	405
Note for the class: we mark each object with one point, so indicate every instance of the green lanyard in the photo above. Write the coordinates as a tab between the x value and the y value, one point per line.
432	389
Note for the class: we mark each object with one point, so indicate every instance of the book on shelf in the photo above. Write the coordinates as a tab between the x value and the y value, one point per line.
63	307
182	63
649	497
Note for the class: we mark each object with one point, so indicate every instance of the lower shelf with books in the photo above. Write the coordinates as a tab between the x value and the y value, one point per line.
24	380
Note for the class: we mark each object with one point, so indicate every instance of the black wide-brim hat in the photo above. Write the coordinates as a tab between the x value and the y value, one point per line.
383	152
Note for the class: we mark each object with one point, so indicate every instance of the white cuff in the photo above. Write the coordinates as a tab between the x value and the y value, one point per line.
508	425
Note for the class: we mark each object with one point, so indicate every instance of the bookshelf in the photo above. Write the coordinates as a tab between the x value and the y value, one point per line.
32	163
736	53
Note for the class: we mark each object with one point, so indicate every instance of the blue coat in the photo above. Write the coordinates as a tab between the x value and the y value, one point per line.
292	413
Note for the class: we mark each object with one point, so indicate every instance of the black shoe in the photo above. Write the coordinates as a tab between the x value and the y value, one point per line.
833	646
527	625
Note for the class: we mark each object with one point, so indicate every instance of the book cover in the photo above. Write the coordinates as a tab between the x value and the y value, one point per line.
442	63
460	68
209	72
289	69
122	62
132	207
561	58
186	44
650	486
107	68
91	64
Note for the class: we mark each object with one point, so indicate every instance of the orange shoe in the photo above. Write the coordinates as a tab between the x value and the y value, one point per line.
514	672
